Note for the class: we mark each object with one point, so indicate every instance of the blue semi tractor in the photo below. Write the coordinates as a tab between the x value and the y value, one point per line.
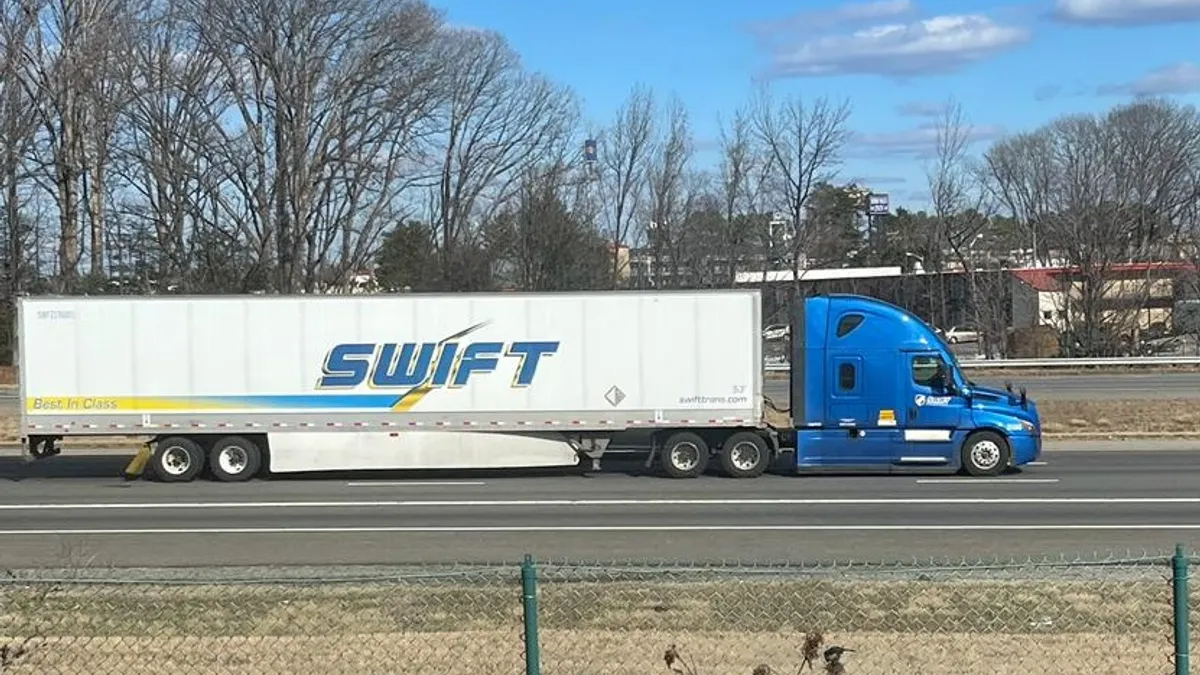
873	387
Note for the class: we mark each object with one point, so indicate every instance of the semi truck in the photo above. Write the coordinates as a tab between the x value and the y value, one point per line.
233	387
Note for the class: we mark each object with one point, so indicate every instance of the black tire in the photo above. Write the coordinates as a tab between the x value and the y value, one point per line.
684	455
745	455
985	453
177	459
234	459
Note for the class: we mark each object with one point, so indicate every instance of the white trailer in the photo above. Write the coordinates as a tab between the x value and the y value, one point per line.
235	384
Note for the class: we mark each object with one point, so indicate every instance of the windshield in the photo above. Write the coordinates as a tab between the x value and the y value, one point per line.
959	375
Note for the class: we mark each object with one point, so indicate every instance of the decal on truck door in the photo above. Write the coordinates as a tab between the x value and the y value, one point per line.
935	411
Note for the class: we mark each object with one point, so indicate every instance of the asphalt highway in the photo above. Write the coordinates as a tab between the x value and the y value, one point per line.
1076	503
1071	387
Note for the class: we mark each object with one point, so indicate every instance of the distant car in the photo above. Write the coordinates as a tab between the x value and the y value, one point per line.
776	331
959	334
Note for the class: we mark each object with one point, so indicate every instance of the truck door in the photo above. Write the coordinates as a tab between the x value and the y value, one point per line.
850	435
934	409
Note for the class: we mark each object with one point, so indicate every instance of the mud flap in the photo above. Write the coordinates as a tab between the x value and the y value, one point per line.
137	465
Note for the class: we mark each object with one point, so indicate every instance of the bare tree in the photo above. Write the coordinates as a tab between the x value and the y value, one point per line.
742	173
623	154
803	144
1020	176
66	55
18	134
499	121
961	221
667	174
330	98
168	160
1104	190
1157	155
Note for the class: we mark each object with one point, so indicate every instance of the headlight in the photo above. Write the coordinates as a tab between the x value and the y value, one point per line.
1027	426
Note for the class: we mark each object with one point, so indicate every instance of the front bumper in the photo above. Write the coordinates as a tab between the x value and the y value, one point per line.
1026	448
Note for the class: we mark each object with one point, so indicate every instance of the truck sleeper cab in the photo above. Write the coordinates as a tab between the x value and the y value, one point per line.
874	388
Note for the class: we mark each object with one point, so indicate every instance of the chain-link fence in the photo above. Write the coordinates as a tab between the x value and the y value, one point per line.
1044	617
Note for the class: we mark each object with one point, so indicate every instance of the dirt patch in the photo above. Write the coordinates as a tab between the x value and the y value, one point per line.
1084	625
1175	417
1166	416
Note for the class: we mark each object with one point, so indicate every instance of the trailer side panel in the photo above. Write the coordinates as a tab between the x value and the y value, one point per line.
498	362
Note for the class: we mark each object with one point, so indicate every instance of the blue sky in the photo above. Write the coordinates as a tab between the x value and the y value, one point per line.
1011	65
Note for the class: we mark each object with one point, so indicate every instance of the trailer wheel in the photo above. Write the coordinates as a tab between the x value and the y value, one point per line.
177	459
234	459
685	455
985	453
745	455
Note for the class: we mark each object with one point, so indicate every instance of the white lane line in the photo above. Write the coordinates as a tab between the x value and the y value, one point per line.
158	506
1037	464
985	481
602	528
410	483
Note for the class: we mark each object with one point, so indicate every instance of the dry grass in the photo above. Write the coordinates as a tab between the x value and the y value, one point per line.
591	653
1164	416
1061	627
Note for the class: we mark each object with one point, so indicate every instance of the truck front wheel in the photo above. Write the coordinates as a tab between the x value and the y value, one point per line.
985	453
177	459
684	455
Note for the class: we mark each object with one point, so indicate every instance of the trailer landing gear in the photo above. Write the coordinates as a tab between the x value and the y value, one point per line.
137	465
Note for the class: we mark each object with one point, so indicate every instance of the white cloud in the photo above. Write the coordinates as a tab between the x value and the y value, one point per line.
1047	92
938	44
1181	78
921	109
828	18
871	181
920	142
1127	12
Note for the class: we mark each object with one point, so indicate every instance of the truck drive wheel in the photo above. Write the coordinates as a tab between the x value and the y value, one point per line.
234	459
176	460
985	453
684	455
744	455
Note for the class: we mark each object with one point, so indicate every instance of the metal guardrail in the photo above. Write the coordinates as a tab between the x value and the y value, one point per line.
1111	362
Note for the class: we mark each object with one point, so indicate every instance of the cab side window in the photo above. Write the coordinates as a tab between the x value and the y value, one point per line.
848	323
924	369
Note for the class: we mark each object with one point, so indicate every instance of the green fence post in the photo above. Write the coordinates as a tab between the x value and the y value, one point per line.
1179	586
529	594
